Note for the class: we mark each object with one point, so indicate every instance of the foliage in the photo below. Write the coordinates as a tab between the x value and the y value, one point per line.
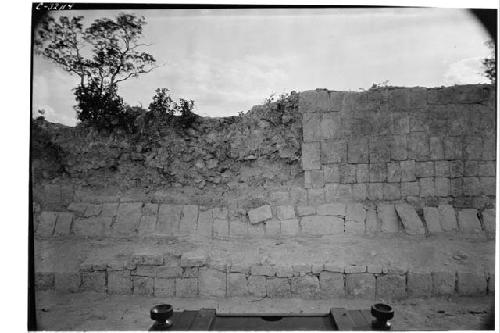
102	55
489	64
165	110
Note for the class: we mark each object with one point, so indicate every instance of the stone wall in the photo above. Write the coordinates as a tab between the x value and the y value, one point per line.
423	146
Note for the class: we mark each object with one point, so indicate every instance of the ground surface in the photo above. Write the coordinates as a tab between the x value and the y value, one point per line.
435	253
91	311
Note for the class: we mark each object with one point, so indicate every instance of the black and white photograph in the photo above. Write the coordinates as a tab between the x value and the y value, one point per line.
261	167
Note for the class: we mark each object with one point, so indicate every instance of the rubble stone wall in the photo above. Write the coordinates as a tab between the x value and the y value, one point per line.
419	145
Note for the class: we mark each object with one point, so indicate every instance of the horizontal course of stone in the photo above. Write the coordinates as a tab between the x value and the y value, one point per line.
401	143
191	275
145	219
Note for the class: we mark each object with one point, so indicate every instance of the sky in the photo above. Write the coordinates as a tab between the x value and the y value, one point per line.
229	60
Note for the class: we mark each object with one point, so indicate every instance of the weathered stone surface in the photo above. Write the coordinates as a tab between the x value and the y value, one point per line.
410	220
468	221
391	286
359	191
212	283
357	150
306	286
237	285
285	212
302	268
360	285
443	283
167	271
410	189
260	214
44	281
306	210
256	230
194	258
432	216
63	224
278	287
347	173
68	282
316	196
289	227
119	283
489	223
46	224
169	217
311	123
311	156
91	227
332	284
471	284
313	179
334	192
332	209
257	286
427	188
332	151
392	191
424	169
92	210
143	285
408	170
447	218
330	126
164	287
238	228
78	208
372	222
147	226
191	272
284	271
322	225
264	270
388	218
127	219
273	227
491	283
220	229
189	218
419	284
205	223
186	287
376	191
93	281
378	172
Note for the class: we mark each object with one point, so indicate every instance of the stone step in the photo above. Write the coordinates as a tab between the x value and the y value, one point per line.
146	219
340	266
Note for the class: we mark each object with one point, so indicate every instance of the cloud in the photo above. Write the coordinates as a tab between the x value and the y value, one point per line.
465	71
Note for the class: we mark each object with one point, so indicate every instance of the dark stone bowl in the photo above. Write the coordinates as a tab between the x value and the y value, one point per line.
161	312
382	312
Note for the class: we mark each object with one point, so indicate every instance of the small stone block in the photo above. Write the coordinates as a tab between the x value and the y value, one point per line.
260	214
391	286
332	284
360	285
471	284
164	287
186	287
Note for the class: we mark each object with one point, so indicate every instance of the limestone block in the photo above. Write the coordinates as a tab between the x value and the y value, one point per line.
360	285
119	283
256	230
362	173
313	179
285	212
468	221
372	224
333	151
63	224
393	172
237	285
489	222
150	209
391	286
302	268
378	172
349	269
94	281
44	281
355	219
189	218
418	146
357	150
78	208
298	195
392	191
487	169
442	168
191	272
264	270
68	282
408	170
283	197
436	148
487	185
311	156
424	169
332	284
443	283
194	258
332	209
447	217
186	287
400	123
427	188
238	228
321	225
220	229
257	286
376	191
164	287
456	187
388	218
471	186
419	284
212	283
380	149
410	220
46	224
91	227
331	173
260	214
306	287
410	189
359	191
442	185
278	288
471	283
282	271
289	227
432	216
205	223
453	148
273	227
92	210
147	226
399	148
146	259
143	286
169	217
331	126
473	147
335	192
347	173
142	270
316	196
311	127
306	210
168	271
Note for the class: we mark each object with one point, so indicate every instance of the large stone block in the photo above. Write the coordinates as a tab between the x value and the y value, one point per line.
257	286
46	224
306	286
360	285
78	208
63	224
471	284
471	186
205	223
119	283
320	100
164	287
442	168
306	210
400	123
427	188
388	218
432	217
189	218
311	156
322	225
311	127
408	170
68	282
332	284
357	150
221	229
143	286
330	127
194	258
376	191
94	281
316	196
410	220
169	217
332	151
313	179
273	228
442	186
347	173
443	283
359	191
448	218
486	169
278	287
489	148
260	214
372	222
436	148
186	287
335	192
289	227
147	226
393	172
487	185
489	223
285	212
237	285
127	219
378	172
355	219
424	169
410	189
468	221
238	228
399	148
453	148
362	173
418	146
419	284
298	196
473	147
212	283
380	149
392	191
391	286
332	209
91	227
169	271
92	210
331	173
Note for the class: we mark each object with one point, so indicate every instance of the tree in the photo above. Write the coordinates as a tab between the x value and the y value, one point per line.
102	55
490	63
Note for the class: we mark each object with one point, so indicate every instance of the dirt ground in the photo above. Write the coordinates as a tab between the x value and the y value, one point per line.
92	311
